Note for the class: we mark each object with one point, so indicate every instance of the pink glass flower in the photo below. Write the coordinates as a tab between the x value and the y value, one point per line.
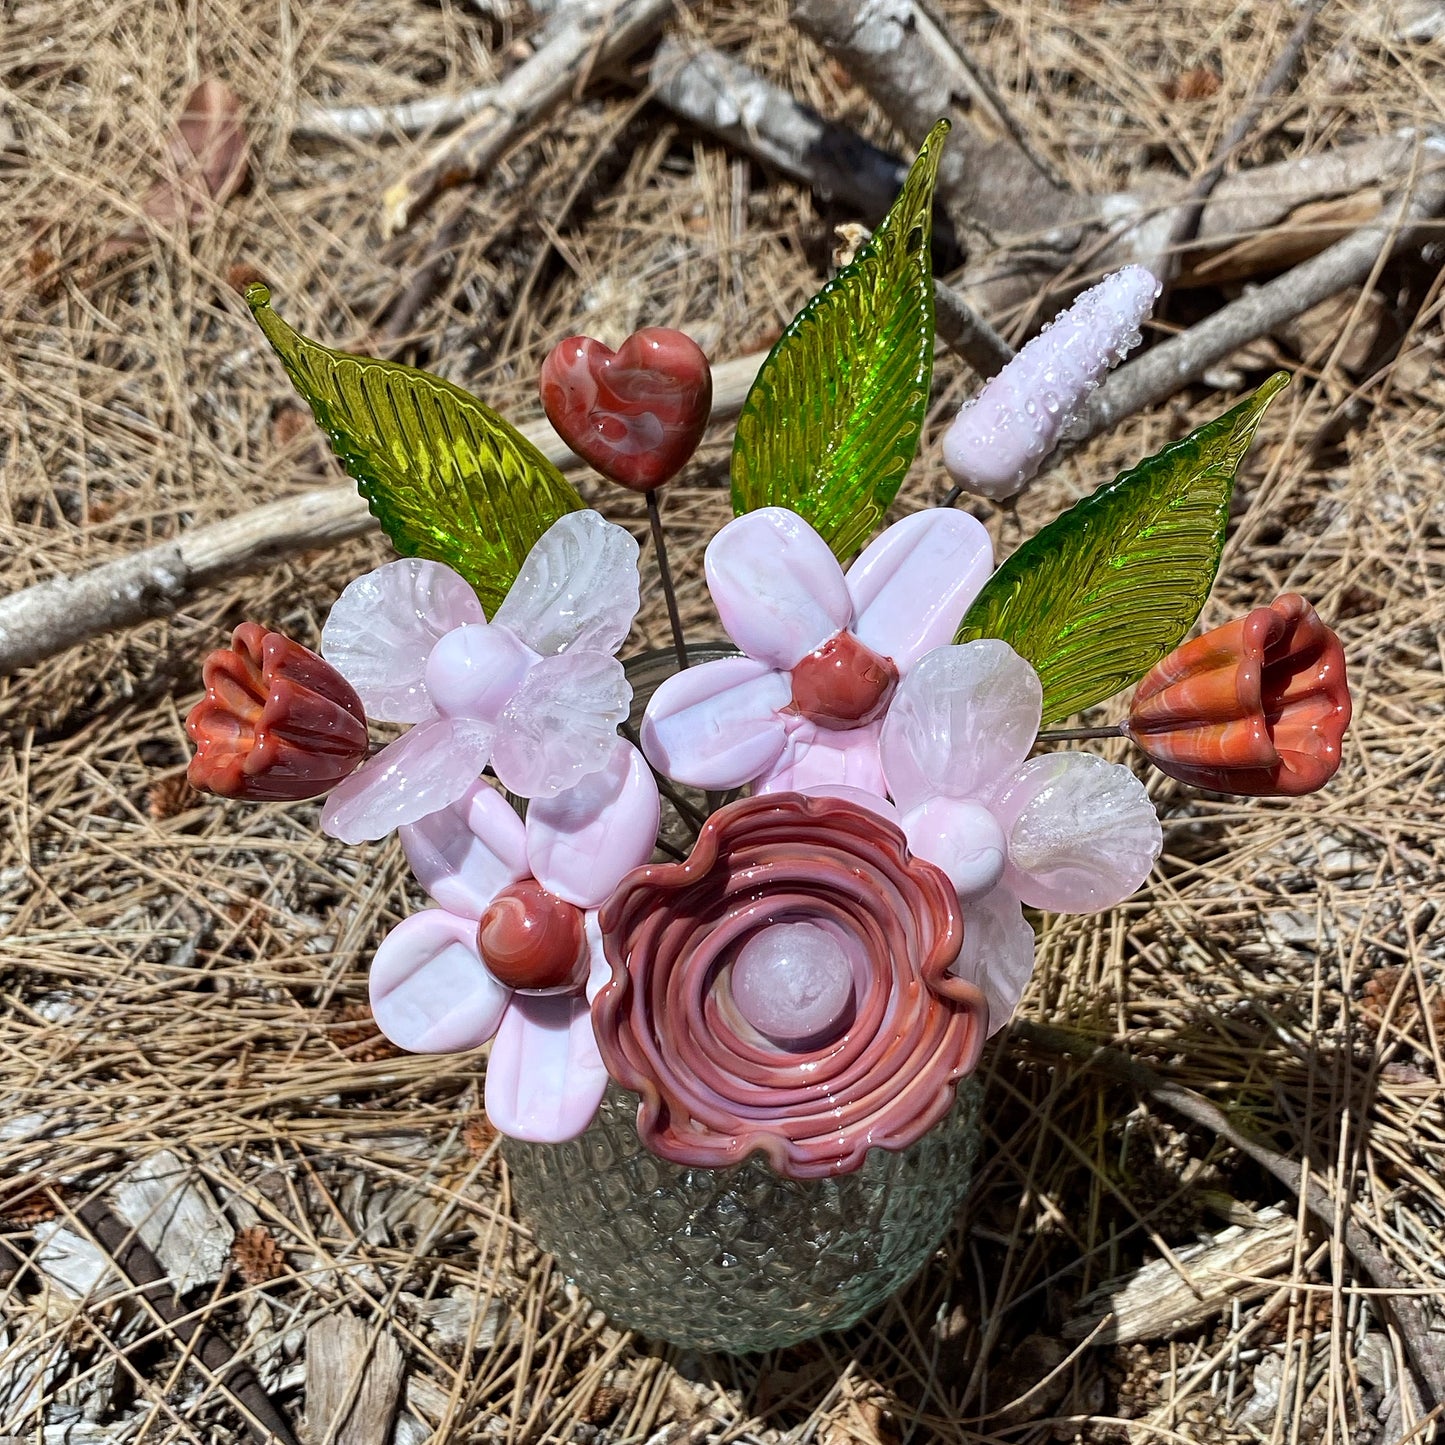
1068	832
823	650
787	990
1001	436
1258	706
276	724
513	950
537	691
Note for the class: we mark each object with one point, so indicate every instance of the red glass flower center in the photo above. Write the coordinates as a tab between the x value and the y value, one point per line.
844	684
531	939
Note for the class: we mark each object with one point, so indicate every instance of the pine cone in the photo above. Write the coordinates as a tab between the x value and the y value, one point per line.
170	797
256	1256
35	1205
355	1033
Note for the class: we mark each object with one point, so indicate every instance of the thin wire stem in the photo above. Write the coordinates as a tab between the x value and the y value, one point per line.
1079	735
654	518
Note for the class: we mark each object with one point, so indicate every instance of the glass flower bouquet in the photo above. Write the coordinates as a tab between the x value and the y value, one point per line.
736	1079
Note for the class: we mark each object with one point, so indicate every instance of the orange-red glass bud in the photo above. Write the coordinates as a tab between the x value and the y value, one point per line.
277	723
1258	706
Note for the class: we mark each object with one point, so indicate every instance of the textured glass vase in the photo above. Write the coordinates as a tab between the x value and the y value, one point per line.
735	1259
738	1259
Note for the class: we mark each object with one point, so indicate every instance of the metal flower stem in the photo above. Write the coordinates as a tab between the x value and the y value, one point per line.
1079	735
654	518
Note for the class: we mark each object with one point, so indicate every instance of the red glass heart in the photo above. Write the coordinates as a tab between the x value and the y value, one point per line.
637	413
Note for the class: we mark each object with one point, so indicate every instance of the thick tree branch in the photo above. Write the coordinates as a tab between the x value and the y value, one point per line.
1183	359
727	99
41	620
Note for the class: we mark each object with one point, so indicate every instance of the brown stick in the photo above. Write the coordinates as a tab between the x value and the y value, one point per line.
1159	373
134	1260
1187	218
41	620
1420	1345
597	35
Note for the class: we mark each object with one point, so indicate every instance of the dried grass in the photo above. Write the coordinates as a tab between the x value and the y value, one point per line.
182	974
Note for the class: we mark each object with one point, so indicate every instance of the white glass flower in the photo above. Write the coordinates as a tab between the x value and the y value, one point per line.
823	650
538	690
1068	832
513	951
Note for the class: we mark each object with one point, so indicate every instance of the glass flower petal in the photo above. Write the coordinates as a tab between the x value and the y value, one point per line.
577	588
425	769
561	723
382	629
815	757
1082	833
778	589
912	585
997	954
717	725
430	991
962	720
466	853
545	1077
581	842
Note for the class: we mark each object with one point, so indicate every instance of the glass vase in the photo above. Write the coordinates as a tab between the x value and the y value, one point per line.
738	1259
735	1259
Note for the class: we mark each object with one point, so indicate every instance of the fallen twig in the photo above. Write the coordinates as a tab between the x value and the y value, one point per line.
43	619
1186	220
595	34
1420	1344
747	111
1183	359
134	1260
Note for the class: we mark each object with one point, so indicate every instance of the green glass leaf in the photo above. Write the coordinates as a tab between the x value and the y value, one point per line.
447	477
833	421
1108	588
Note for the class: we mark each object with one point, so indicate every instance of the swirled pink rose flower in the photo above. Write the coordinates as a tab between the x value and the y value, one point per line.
537	691
513	947
1069	832
787	990
824	650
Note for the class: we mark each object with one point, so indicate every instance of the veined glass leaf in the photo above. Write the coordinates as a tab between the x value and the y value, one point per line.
1108	588
447	478
833	420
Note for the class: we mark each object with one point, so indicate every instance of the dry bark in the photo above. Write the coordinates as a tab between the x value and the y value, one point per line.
1155	1302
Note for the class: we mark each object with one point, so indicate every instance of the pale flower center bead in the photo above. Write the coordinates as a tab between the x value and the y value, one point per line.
473	670
963	838
793	983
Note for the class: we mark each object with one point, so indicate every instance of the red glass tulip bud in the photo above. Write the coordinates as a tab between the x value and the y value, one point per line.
277	723
844	684
531	939
1258	706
